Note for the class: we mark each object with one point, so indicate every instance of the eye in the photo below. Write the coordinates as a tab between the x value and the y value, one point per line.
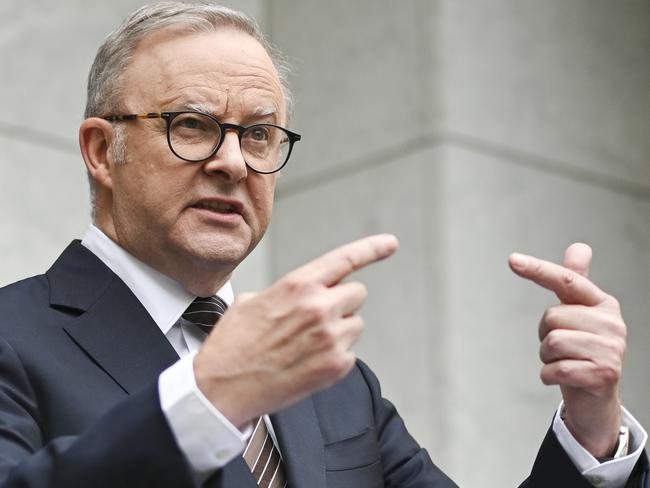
258	133
192	122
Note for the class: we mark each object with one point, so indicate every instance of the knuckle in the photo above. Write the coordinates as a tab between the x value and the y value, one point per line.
553	342
334	367
552	318
350	262
622	331
563	370
295	284
545	376
544	355
358	323
542	329
618	347
353	331
609	373
324	338
313	312
618	327
611	325
614	303
545	321
568	278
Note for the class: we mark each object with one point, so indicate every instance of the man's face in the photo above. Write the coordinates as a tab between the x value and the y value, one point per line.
174	214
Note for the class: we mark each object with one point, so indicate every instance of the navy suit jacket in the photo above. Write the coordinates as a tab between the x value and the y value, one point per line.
79	406
554	469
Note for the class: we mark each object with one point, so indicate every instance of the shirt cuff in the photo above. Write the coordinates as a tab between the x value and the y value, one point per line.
207	438
613	473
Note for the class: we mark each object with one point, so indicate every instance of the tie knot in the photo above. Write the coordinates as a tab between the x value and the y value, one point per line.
205	311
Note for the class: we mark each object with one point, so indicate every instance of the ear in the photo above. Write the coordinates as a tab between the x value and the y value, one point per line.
95	137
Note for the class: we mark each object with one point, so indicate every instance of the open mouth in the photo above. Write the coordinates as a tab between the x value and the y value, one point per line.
219	207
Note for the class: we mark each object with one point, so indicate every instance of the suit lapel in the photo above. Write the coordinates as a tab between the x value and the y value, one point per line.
118	333
301	444
114	328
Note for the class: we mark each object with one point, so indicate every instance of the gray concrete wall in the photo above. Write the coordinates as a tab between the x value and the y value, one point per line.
545	119
469	128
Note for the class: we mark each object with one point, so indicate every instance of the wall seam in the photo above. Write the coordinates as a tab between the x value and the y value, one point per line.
475	145
38	137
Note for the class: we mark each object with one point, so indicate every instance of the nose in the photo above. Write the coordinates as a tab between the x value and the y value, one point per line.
228	162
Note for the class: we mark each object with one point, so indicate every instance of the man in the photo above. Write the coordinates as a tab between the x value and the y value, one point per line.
183	137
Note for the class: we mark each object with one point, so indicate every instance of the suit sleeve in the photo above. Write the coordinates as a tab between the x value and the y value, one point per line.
131	445
553	467
405	463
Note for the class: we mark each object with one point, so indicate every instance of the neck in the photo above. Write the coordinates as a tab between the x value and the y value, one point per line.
200	282
199	278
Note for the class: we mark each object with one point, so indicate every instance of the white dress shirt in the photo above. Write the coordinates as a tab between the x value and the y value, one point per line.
205	436
611	474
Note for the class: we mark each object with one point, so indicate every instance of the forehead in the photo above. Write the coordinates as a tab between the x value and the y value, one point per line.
226	70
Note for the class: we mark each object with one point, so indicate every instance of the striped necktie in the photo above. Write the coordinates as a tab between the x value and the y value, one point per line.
261	455
204	312
264	459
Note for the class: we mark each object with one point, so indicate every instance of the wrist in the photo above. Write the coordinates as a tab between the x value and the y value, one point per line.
225	392
622	446
599	433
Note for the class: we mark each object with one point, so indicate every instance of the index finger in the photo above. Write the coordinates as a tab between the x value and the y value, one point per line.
569	286
332	267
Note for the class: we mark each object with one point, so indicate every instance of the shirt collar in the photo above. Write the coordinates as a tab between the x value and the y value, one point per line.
163	298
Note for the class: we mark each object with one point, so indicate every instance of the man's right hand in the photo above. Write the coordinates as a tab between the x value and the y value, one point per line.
275	347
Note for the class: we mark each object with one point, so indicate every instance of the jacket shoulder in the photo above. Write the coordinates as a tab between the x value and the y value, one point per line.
23	295
25	309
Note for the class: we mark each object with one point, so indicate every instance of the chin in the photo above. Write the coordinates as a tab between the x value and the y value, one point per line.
220	252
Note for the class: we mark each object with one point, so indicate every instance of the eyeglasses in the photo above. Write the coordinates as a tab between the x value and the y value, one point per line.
195	137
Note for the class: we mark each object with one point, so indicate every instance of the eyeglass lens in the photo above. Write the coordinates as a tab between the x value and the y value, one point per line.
194	136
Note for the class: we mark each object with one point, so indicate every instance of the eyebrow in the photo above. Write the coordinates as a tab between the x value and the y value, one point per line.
262	111
199	107
265	111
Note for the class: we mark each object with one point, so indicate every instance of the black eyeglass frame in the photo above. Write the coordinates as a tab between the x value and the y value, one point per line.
240	129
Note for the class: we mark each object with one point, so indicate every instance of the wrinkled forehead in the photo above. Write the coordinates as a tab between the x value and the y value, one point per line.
211	68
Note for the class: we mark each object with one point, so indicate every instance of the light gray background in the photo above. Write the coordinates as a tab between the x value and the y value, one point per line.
469	128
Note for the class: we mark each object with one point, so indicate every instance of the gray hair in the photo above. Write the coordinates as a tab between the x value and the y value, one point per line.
114	55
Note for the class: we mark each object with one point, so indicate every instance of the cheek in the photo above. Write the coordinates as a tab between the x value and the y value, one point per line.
151	192
262	200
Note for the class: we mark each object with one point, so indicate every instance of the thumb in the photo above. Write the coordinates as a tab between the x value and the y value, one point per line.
577	257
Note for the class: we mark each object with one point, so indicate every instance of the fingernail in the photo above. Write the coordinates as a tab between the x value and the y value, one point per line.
518	260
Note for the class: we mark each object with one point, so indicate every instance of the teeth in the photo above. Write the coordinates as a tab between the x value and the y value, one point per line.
216	206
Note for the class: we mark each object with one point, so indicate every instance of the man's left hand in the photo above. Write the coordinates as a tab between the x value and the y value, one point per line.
582	346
